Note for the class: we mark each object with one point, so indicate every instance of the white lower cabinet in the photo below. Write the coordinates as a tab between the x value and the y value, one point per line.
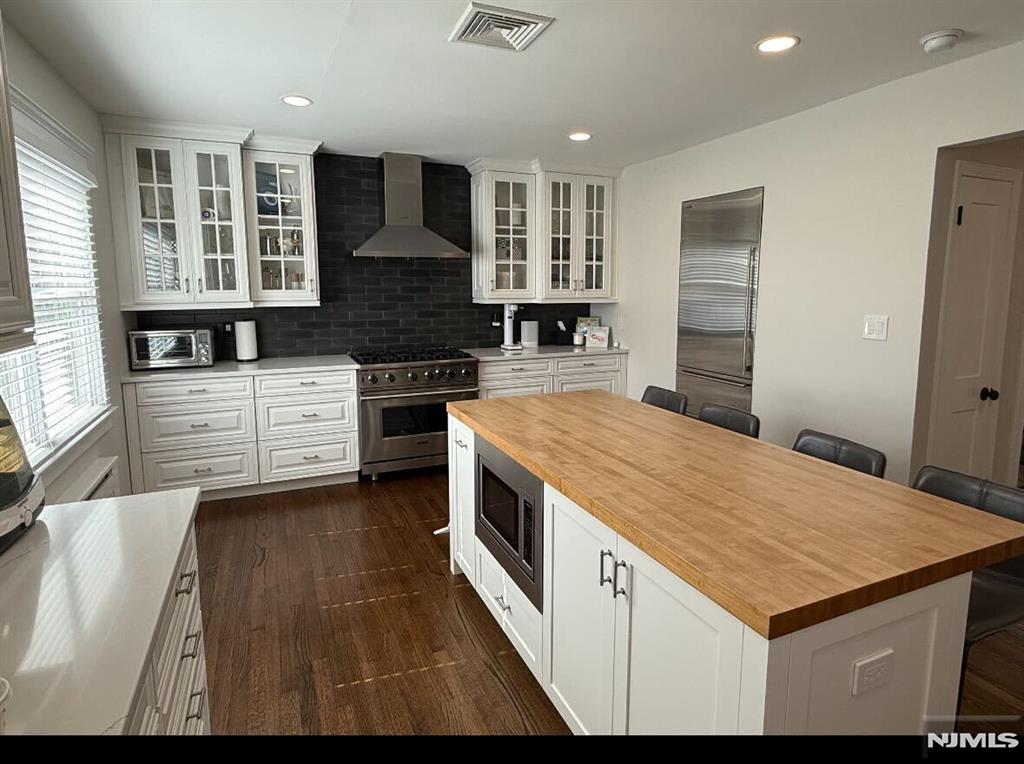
537	376
461	498
572	383
307	457
505	388
211	467
519	619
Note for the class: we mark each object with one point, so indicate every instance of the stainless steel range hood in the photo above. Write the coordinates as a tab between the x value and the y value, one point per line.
403	234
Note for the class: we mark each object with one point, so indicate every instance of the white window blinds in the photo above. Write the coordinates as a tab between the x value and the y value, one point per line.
55	388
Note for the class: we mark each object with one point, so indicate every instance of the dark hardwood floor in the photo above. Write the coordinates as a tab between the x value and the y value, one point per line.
332	610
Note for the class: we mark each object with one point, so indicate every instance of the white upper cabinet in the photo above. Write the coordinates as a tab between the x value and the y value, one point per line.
541	235
280	206
16	317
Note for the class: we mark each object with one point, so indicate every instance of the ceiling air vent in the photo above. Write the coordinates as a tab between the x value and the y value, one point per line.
499	27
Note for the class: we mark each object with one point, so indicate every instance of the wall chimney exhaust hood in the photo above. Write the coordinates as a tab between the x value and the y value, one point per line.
403	234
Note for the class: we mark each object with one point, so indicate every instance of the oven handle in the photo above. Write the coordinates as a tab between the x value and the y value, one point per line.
435	393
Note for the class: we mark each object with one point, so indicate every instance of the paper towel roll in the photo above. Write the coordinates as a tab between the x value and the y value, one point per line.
245	341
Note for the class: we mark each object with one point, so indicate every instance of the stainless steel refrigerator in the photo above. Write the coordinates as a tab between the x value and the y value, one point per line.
718	266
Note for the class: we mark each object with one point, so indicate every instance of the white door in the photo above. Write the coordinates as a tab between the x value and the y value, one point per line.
665	685
512	237
594	271
464	538
972	319
559	221
579	615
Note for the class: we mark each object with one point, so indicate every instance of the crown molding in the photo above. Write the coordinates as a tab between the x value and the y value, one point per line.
574	168
499	165
284	145
113	123
39	115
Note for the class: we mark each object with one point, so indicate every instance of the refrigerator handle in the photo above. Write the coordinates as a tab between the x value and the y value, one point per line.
748	311
711	378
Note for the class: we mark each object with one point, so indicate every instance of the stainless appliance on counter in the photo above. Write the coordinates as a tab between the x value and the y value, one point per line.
21	491
509	518
402	396
719	248
170	348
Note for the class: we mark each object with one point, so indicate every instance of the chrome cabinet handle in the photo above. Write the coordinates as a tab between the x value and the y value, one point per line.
304	382
197	389
309	414
616	589
201	470
518	368
198	425
602	578
312	458
191	583
500	599
198	713
591	363
199	284
459	443
194	636
187	288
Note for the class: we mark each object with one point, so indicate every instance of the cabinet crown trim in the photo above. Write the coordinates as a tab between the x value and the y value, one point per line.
113	123
535	166
283	145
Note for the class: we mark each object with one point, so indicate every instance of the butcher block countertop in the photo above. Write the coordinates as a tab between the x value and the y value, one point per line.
780	540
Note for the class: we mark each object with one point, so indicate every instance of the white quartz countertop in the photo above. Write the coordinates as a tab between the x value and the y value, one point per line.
237	369
80	597
546	351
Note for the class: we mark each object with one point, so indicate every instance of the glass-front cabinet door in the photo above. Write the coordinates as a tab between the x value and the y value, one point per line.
560	222
282	227
511	245
154	173
214	174
595	261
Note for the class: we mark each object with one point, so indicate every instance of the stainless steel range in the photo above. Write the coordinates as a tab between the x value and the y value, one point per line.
402	397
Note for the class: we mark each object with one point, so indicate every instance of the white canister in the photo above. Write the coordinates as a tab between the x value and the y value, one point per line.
245	341
5	695
578	338
529	331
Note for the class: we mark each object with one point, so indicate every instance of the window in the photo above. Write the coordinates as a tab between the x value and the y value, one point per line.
58	386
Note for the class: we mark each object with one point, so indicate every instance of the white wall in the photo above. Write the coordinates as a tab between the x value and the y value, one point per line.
848	197
30	73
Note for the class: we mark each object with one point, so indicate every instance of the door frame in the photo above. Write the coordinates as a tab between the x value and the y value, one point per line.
1015	177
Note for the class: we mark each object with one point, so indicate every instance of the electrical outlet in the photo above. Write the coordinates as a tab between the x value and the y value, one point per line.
876	327
228	328
872	671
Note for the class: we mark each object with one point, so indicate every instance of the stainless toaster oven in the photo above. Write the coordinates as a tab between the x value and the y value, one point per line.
170	348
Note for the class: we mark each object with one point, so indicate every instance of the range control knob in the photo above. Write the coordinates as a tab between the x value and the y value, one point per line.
430	374
450	372
389	377
372	379
413	376
466	372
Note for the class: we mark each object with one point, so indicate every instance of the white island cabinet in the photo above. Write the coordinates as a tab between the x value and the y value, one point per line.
700	602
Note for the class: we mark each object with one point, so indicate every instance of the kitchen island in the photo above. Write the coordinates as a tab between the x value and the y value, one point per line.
695	580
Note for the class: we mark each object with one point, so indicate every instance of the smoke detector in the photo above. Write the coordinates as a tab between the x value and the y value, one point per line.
498	27
944	39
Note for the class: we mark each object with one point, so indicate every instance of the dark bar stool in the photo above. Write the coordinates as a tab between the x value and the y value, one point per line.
736	420
669	400
997	592
841	451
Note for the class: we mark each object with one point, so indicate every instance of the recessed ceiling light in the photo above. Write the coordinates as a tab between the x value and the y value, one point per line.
579	136
944	39
778	43
297	100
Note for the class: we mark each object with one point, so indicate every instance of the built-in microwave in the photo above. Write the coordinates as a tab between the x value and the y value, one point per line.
510	518
170	348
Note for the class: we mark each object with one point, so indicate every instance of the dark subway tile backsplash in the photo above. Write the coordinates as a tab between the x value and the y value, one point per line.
366	301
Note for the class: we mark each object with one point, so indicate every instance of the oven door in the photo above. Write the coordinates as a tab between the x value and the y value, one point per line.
406	425
155	350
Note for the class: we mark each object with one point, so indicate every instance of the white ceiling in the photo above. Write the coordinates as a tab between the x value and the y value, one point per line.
646	77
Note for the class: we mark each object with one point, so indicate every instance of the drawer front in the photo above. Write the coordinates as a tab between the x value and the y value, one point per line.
188	694
215	467
523	626
509	387
196	424
178	391
320	382
587	363
571	383
179	611
284	417
490	582
308	457
520	367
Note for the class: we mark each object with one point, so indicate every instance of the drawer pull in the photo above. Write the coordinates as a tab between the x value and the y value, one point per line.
201	470
191	584
192	652
198	713
500	599
310	415
199	425
518	368
590	363
197	390
310	382
312	458
460	443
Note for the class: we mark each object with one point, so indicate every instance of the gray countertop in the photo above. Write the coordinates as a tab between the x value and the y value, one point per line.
544	351
236	369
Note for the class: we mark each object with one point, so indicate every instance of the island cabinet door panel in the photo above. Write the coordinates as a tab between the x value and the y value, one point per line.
677	654
461	527
578	615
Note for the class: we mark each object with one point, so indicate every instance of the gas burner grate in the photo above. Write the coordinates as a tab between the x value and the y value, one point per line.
375	356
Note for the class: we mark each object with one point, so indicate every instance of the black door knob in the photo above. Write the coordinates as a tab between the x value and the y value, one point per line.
989	394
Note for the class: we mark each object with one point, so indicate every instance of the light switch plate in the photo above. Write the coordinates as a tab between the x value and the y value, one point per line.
872	671
876	327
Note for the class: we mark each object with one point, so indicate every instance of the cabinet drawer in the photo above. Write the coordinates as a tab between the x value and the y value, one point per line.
307	457
177	613
180	651
214	467
520	367
305	416
605	380
490	581
202	389
504	388
585	363
523	626
196	424
320	382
